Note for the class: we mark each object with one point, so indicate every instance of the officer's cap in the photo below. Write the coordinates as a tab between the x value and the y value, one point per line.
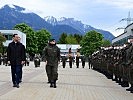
50	40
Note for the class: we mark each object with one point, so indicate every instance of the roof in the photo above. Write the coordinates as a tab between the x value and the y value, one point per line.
67	46
11	31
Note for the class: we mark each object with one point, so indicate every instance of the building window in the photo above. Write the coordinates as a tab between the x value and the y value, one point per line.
8	37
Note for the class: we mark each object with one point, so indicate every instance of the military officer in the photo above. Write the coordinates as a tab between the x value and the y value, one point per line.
52	59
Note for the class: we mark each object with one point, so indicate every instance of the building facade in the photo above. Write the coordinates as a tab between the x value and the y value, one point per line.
123	38
64	48
9	33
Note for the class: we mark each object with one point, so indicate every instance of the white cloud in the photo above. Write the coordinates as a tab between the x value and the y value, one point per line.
118	3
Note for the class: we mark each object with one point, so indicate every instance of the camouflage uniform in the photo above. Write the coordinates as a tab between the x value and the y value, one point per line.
130	67
52	56
83	61
64	58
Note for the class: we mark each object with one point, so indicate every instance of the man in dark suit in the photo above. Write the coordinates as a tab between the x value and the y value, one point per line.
16	57
21	71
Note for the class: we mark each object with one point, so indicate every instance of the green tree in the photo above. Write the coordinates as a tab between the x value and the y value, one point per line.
2	39
91	42
106	43
78	38
31	39
23	28
62	39
31	43
42	39
70	39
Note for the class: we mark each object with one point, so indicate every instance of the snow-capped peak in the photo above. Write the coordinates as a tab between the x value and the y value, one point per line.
26	11
50	19
11	6
62	19
86	26
17	8
8	5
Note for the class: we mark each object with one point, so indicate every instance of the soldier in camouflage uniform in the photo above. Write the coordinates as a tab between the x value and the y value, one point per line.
89	62
120	61
110	61
116	63
0	58
77	58
130	65
64	58
125	66
82	60
105	63
131	70
52	58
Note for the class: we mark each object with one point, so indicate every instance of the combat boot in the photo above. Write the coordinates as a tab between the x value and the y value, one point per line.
130	89
55	84
116	79
110	76
125	84
51	84
120	82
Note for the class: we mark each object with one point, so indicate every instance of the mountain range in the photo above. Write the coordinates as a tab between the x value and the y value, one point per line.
10	15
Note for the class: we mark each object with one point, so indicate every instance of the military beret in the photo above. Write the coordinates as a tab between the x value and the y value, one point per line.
50	40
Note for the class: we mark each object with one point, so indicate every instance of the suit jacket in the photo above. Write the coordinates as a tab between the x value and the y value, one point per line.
16	53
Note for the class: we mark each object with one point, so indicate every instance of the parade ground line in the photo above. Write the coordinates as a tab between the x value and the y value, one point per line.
73	84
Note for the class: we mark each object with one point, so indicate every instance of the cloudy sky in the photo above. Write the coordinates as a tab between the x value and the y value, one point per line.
101	14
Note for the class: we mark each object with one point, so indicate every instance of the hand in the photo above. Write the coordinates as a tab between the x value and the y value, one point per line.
45	62
9	62
22	62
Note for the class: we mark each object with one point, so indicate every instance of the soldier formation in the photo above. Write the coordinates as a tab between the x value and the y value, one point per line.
116	63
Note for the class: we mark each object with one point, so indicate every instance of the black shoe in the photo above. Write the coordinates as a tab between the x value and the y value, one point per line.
14	85
17	86
113	79
129	89
117	81
109	77
120	83
125	85
55	84
20	81
51	84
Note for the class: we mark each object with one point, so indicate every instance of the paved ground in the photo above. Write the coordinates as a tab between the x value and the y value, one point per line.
73	84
